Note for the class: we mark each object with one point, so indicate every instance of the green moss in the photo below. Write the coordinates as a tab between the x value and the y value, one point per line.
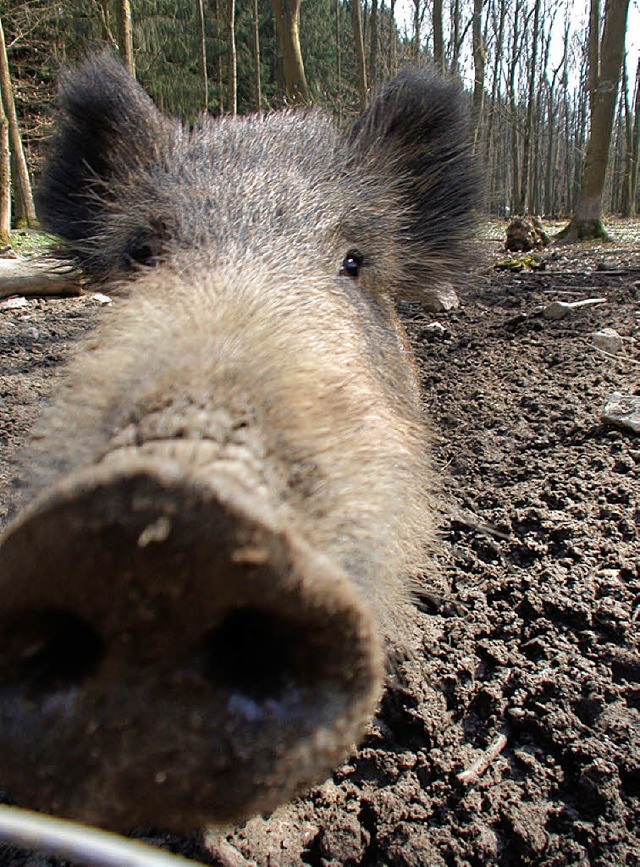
583	230
530	262
31	242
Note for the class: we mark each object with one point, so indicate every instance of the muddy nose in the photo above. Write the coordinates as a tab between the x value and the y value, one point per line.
172	652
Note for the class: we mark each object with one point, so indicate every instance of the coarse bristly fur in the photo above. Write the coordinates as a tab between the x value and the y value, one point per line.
259	260
247	222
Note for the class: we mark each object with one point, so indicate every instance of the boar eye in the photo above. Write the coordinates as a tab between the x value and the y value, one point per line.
351	264
145	247
145	253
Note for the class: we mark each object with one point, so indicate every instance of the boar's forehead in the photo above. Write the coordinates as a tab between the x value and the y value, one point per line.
255	181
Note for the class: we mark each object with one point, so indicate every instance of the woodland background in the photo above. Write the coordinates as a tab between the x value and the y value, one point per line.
534	70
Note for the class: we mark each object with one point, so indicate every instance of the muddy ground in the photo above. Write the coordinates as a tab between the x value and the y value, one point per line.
530	633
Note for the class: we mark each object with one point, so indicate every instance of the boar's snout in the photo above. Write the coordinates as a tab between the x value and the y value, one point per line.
172	651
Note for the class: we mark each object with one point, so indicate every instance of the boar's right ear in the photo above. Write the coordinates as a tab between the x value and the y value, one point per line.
416	133
106	127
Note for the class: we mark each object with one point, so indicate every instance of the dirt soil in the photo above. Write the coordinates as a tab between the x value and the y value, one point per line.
530	657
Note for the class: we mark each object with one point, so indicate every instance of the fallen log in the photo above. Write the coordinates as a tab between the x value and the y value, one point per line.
38	277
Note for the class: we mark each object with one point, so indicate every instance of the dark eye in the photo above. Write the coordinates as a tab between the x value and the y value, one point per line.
145	254
145	247
351	264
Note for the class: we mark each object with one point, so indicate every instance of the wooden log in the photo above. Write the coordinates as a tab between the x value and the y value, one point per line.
38	277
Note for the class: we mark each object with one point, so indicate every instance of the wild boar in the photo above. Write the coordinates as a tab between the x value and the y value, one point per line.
231	491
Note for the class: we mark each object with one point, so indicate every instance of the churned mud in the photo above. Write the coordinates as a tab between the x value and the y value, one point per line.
514	738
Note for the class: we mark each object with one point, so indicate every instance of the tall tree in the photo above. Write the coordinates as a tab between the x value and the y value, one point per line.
635	152
479	58
338	59
524	191
593	50
373	43
287	18
5	179
438	37
393	53
125	34
23	197
219	56
256	55
455	41
586	221
632	120
497	61
232	61
361	66
203	55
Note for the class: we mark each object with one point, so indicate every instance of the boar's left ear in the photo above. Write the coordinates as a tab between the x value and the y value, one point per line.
107	128
416	133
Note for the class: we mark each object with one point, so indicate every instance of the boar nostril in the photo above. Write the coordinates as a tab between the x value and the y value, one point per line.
257	654
49	649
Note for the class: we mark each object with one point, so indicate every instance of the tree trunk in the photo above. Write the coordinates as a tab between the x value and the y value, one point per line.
479	58
593	50
513	112
494	83
417	20
232	64
631	147
636	141
203	56
359	46
125	34
586	221
256	56
23	196
438	37
219	71
393	59
373	43
523	200
338	61
5	179
455	38
287	18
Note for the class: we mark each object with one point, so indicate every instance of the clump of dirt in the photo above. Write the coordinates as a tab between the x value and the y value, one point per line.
529	637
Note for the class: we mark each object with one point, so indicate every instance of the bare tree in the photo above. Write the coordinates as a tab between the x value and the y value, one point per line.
438	37
524	191
586	221
593	50
419	10
256	56
5	179
631	120
636	141
232	62
125	34
513	103
479	57
338	59
393	55
373	43
498	48
553	133
359	46
203	56
287	18
23	197
219	64
455	34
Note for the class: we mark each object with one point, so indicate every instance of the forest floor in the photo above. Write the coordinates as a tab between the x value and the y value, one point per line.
530	672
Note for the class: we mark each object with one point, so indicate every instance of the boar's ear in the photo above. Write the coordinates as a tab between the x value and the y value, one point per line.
107	127
416	133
